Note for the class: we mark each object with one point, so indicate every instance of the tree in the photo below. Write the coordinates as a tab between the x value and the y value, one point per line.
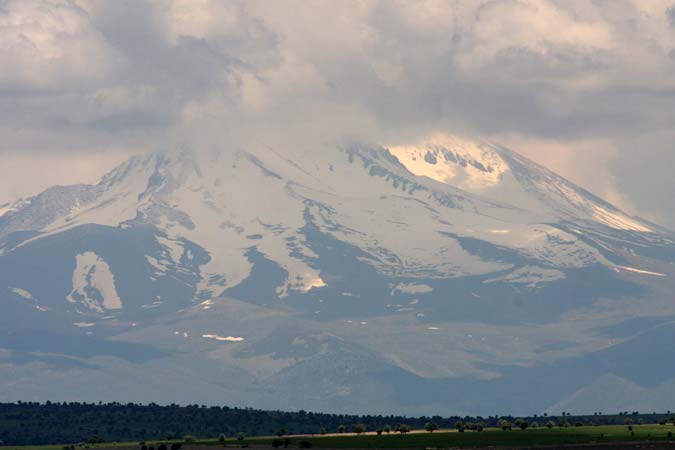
241	435
550	424
359	428
221	437
402	428
431	427
282	432
322	431
522	424
189	439
379	431
387	429
505	425
460	426
341	429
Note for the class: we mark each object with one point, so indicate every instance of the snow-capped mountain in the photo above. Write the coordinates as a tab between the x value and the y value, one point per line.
417	279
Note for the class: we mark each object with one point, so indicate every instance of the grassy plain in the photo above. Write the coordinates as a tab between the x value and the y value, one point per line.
611	436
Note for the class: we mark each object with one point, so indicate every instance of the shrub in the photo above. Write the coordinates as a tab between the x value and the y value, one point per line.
221	438
359	428
341	429
550	424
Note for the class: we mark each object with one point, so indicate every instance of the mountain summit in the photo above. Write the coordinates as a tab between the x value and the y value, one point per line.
453	276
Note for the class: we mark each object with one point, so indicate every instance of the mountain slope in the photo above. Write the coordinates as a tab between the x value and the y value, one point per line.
417	268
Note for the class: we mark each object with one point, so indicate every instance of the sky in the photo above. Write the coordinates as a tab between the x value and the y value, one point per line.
585	87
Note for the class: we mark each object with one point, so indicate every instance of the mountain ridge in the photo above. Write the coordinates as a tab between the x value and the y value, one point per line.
422	267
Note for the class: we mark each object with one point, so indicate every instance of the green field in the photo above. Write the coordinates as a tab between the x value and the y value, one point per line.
440	439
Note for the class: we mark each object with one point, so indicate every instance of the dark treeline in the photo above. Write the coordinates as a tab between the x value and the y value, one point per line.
27	423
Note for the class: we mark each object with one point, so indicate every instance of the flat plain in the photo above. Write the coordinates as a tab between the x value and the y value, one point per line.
654	437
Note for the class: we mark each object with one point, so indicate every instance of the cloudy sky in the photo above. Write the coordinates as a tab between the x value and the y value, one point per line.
586	87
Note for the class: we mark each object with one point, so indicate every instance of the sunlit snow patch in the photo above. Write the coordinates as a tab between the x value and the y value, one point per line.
206	304
222	338
643	272
22	293
453	160
618	221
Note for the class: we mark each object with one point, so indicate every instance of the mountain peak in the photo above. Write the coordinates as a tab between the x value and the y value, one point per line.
433	257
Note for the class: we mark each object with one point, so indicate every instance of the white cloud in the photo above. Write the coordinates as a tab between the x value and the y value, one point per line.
50	45
567	80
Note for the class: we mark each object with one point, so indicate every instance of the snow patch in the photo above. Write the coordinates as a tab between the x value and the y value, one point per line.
412	288
452	160
223	338
302	283
23	293
94	284
531	276
643	272
618	221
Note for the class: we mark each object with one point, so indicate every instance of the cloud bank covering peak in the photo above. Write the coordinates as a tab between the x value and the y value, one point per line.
584	87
